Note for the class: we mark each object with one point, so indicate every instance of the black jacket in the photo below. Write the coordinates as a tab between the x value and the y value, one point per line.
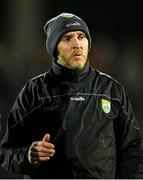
91	122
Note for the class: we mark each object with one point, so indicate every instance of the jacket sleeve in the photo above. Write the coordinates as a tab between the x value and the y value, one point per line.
15	142
128	141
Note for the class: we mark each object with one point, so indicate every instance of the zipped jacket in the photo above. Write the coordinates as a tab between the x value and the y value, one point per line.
90	121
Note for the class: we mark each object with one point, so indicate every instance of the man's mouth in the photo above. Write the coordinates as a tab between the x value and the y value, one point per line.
77	54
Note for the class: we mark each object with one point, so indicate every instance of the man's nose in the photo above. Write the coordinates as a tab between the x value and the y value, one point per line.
76	43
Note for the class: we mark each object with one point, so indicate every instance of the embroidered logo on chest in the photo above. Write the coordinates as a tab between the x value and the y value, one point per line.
77	98
106	105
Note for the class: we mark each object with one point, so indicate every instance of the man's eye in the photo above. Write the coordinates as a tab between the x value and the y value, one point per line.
66	38
81	36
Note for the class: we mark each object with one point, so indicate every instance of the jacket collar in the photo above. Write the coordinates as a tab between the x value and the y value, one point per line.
70	75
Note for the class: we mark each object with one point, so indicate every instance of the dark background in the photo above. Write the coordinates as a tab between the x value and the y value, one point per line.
117	44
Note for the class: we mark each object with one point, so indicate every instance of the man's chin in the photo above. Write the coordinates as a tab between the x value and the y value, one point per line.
78	66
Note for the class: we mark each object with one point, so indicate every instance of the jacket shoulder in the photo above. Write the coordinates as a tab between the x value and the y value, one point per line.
106	78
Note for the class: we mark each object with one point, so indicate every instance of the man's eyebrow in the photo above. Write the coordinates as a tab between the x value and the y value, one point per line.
79	33
67	35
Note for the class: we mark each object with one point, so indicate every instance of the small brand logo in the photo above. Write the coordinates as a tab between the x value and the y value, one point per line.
106	105
73	24
77	98
66	15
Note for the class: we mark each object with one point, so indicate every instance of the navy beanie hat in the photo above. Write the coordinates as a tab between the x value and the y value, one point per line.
56	27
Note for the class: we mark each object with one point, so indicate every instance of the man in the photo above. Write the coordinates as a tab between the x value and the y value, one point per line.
72	121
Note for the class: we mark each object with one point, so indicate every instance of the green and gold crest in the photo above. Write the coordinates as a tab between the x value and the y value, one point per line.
106	105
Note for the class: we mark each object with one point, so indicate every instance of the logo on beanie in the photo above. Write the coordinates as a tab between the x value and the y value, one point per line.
73	24
67	15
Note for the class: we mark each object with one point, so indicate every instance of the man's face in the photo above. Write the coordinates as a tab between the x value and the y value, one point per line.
72	50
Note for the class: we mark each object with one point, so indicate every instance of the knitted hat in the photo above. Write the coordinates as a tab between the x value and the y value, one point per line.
56	27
